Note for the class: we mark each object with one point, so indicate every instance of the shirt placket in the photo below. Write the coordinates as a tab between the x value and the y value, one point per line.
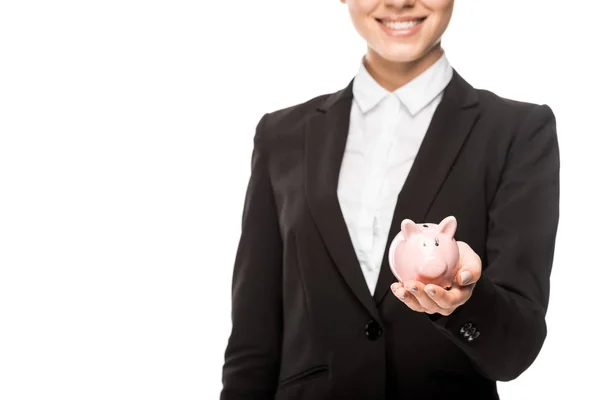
371	217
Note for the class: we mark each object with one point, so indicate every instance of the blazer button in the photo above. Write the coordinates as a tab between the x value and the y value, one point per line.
469	332
373	330
466	327
473	336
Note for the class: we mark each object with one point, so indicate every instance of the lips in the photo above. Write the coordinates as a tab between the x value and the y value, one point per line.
401	27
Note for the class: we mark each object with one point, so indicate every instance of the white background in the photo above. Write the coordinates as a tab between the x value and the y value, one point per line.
125	139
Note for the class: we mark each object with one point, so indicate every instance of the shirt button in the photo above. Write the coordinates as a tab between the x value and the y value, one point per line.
373	330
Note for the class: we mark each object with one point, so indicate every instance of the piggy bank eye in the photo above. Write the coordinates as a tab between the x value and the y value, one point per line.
437	242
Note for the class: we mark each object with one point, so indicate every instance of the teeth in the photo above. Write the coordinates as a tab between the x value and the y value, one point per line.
401	25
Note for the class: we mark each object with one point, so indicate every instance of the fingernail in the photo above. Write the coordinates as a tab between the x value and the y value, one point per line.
404	296
465	277
430	291
413	289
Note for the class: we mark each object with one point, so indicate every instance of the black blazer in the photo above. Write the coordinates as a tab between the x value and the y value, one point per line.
305	325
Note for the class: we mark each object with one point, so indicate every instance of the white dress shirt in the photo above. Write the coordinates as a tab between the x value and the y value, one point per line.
386	131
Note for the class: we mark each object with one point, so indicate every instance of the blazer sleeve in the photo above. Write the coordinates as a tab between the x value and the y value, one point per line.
502	326
252	355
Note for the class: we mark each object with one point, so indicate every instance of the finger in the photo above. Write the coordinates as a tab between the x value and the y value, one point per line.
417	289
399	291
448	299
407	298
412	303
470	265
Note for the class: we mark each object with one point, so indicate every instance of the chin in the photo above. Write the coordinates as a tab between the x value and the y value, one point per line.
402	55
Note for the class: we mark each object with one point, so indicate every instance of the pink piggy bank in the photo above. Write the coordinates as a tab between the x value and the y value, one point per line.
425	252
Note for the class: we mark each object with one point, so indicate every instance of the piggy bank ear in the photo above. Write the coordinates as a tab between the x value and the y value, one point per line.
448	226
408	227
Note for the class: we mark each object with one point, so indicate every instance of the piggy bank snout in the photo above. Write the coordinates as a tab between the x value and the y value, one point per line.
433	267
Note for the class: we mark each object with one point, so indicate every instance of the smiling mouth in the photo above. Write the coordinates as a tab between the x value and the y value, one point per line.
401	25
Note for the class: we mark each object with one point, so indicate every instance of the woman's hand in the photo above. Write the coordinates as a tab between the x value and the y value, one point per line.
435	299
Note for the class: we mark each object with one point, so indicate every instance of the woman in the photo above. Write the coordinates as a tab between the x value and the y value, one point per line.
317	313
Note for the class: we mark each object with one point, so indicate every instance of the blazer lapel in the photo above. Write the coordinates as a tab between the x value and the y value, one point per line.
449	127
326	135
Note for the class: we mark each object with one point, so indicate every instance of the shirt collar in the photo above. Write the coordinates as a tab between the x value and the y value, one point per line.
415	95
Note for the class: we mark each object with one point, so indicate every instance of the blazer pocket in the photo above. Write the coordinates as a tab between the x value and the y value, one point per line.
304	376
